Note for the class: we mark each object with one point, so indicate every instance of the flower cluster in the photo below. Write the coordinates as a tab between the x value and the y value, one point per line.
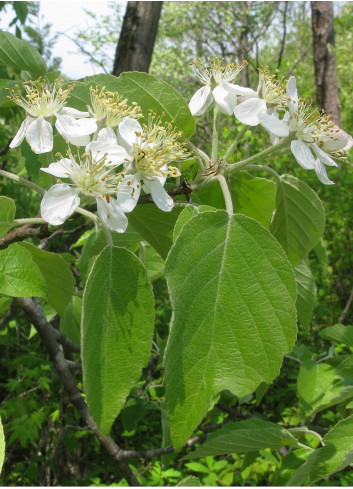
314	138
120	159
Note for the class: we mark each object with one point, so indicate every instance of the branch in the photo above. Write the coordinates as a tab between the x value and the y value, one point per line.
346	309
84	51
5	148
23	232
284	36
34	312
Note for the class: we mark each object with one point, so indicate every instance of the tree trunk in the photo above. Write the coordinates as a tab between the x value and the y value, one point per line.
137	37
325	59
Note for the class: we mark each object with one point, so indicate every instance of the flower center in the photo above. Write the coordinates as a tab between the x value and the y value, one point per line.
111	108
41	99
217	71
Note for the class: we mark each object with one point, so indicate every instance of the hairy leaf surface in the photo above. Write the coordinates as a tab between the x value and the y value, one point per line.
233	293
299	218
116	331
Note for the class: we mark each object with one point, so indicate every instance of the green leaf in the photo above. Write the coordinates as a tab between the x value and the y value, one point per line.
7	214
20	54
116	331
155	226
290	463
306	293
338	333
2	446
233	292
148	92
134	410
299	218
152	261
97	241
187	213
334	456
190	481
71	320
253	196
56	272
320	386
244	436
19	274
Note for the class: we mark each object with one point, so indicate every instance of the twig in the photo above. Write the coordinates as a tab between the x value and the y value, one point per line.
35	313
346	309
234	413
5	148
23	232
84	51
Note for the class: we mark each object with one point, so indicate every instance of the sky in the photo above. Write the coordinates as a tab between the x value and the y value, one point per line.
67	16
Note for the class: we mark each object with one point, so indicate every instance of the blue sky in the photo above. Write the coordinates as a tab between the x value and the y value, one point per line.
68	16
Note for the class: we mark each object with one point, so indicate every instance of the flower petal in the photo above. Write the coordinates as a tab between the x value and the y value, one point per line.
292	95
321	173
303	155
323	157
248	112
243	91
129	190
274	125
116	155
127	133
73	112
21	133
160	196
111	215
225	97
107	134
71	128
62	168
201	100
59	203
39	135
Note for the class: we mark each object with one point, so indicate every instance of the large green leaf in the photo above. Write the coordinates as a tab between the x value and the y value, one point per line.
251	196
56	271
338	333
116	331
97	241
299	218
20	54
2	446
71	320
306	293
19	274
148	92
7	214
244	436
187	213
334	456
289	464
233	293
320	386
155	226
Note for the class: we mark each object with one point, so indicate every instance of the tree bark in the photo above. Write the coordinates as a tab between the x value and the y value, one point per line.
137	37
325	59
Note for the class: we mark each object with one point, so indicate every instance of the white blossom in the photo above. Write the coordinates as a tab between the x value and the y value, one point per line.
316	139
42	102
150	150
268	97
219	88
94	176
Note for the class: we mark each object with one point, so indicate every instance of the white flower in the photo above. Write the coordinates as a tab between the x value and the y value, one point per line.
41	103
224	92
109	108
268	97
149	152
315	137
92	177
